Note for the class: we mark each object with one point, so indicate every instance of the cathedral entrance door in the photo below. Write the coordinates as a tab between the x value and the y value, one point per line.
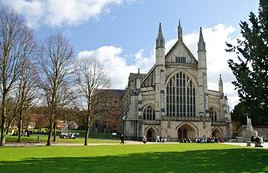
185	132
150	135
216	133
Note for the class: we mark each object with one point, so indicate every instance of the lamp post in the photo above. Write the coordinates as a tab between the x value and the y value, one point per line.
124	118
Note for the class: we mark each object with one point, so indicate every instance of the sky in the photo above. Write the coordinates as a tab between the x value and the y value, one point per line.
121	33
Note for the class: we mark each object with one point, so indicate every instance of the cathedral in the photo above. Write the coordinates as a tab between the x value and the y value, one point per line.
172	100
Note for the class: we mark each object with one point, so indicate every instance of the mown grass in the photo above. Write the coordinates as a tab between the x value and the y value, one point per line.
43	139
164	158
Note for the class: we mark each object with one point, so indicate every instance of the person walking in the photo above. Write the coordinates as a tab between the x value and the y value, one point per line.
122	139
144	140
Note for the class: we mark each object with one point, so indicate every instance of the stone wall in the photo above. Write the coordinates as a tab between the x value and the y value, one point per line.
262	131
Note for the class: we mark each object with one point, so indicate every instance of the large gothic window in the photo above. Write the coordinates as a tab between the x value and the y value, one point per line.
148	113
213	114
180	96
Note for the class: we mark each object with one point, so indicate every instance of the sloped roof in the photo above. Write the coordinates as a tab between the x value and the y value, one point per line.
146	75
186	48
111	92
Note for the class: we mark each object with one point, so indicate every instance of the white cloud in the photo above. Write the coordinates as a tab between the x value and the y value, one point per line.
144	63
59	12
114	64
118	69
215	38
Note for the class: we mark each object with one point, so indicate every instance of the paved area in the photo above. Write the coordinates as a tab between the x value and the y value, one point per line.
67	144
265	144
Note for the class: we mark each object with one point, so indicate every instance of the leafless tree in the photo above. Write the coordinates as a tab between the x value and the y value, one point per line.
55	72
15	38
91	77
25	92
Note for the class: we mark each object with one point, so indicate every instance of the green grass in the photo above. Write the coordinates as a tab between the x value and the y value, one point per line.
43	139
164	158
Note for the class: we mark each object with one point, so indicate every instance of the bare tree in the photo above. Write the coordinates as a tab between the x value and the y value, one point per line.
55	70
11	113
66	99
15	38
91	77
25	92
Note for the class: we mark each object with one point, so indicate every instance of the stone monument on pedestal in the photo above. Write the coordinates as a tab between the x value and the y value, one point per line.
248	132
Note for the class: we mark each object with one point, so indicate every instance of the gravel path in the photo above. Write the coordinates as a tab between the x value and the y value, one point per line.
67	144
265	144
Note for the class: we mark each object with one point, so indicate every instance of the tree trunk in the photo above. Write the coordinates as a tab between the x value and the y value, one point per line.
3	123
50	129
2	142
7	129
19	129
54	132
87	130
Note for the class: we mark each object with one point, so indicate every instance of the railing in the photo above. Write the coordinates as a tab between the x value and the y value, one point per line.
166	118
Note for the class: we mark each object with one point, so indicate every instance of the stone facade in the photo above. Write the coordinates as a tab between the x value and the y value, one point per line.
107	110
172	99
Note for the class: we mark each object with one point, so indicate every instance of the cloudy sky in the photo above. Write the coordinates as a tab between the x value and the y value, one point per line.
121	33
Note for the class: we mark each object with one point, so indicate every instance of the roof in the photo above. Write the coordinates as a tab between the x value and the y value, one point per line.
113	92
187	49
133	76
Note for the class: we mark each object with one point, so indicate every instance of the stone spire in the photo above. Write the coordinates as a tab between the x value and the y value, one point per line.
160	41
201	42
179	31
220	85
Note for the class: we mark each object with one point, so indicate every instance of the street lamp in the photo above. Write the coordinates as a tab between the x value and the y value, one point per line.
124	118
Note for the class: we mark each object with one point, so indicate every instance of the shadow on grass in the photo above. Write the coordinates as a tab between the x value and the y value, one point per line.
227	160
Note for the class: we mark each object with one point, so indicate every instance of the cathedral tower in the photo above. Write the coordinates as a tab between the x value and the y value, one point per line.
160	88
179	32
220	85
202	76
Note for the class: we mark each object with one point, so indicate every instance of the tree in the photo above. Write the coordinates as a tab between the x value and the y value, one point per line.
25	92
90	77
251	67
55	72
15	40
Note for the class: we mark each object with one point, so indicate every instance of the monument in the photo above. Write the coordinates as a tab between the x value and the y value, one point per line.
248	132
64	130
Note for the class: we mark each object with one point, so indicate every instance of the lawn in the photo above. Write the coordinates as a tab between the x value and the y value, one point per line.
43	139
164	158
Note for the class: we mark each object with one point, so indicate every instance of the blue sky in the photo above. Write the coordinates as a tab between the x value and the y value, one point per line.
121	33
133	25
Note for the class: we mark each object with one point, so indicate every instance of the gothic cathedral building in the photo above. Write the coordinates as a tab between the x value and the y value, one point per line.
172	100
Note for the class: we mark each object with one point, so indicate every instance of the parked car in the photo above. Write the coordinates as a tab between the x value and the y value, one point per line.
64	135
68	135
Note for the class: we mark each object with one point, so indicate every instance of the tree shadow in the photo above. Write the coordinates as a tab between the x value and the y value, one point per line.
226	160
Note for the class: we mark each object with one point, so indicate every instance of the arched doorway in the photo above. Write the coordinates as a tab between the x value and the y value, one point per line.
216	133
150	134
186	132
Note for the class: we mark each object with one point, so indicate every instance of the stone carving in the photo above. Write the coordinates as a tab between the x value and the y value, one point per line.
249	125
248	132
65	127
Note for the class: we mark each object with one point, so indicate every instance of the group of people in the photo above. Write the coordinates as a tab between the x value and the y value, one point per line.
202	140
158	139
257	140
188	140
